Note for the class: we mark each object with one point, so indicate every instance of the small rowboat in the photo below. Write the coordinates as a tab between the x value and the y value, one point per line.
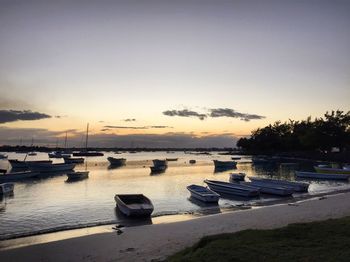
232	189
203	194
17	176
234	177
6	188
116	161
295	186
158	169
327	176
134	204
77	175
158	162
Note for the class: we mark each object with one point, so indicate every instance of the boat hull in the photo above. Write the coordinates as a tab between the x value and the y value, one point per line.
224	164
136	205
17	176
203	194
326	176
116	161
79	175
270	189
295	186
44	168
329	170
232	189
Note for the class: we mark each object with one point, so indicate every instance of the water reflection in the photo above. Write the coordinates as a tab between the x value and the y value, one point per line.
131	221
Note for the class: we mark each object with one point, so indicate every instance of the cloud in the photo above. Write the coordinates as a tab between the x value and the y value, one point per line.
61	116
227	112
213	113
185	113
17	115
133	127
130	120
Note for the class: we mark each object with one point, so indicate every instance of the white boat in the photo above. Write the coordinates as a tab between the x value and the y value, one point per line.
315	175
134	204
17	164
234	177
74	160
330	170
232	189
6	188
159	162
224	164
203	194
295	186
116	161
3	156
17	176
49	167
270	189
77	175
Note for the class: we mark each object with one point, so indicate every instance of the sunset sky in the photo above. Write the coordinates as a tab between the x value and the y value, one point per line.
168	73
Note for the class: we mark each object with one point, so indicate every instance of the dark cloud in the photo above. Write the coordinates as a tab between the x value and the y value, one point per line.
227	112
17	115
60	116
134	127
185	113
129	120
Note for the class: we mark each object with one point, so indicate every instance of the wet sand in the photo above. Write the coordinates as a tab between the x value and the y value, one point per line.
157	241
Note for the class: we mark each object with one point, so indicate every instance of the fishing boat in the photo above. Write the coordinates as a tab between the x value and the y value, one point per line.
116	161
224	164
77	175
234	177
6	188
17	176
192	161
232	189
328	176
134	204
159	162
330	170
3	156
295	186
22	164
49	167
203	194
171	159
270	189
74	160
158	169
86	152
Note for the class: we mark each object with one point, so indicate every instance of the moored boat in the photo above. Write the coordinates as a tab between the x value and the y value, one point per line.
18	164
160	162
6	188
49	167
295	186
116	161
57	154
88	153
3	156
17	176
74	160
192	161
224	164
77	175
330	170
234	177
158	169
171	159
315	175
236	158
232	189
134	204
203	194
270	189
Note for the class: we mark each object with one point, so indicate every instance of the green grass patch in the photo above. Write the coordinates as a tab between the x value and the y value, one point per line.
317	241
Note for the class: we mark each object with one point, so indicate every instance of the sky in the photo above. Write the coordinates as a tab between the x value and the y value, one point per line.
192	73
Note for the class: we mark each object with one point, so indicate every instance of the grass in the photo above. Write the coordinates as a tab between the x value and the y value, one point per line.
317	241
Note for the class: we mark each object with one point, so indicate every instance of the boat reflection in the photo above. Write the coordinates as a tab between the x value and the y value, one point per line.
131	221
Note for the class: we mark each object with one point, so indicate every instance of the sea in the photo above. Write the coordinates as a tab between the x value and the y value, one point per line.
54	204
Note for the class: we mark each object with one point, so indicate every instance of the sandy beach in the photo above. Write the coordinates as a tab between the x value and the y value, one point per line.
156	242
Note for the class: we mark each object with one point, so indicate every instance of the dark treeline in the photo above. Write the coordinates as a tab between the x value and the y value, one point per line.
322	135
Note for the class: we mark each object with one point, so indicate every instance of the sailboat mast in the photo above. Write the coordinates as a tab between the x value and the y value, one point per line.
87	136
65	142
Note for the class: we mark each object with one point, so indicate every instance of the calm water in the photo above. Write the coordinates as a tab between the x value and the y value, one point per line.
52	203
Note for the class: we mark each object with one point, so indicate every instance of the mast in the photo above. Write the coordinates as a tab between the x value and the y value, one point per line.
65	142
87	136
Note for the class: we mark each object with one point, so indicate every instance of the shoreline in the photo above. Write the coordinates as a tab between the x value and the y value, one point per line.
68	231
157	241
